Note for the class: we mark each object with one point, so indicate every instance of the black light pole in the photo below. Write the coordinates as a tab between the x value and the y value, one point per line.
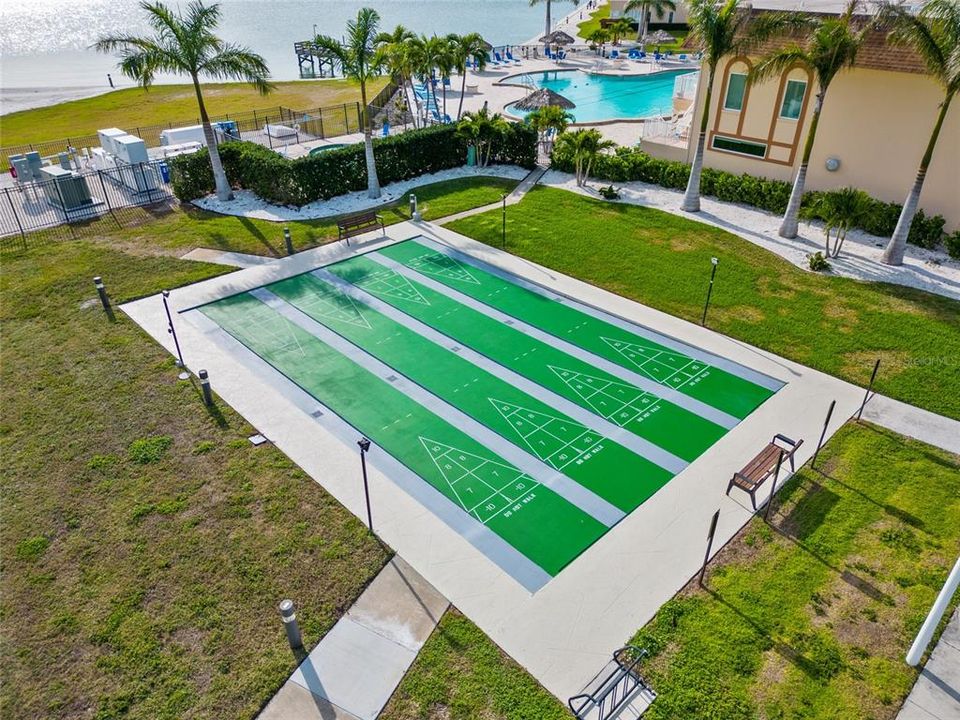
706	556
184	375
503	199
713	274
364	448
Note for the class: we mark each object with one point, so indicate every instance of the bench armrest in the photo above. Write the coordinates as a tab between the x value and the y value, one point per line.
794	444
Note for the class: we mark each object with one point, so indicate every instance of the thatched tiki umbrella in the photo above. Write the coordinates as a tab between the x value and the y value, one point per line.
557	37
543	98
660	37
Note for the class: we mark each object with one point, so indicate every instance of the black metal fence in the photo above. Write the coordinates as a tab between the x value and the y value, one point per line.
251	125
80	198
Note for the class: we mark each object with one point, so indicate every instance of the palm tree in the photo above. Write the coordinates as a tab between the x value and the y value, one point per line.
719	30
394	54
549	22
359	61
934	35
464	47
446	63
185	44
549	118
427	54
647	8
599	37
481	129
584	146
618	29
830	45
840	210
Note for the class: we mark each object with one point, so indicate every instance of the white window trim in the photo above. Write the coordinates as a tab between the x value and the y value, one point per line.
783	102
727	93
713	146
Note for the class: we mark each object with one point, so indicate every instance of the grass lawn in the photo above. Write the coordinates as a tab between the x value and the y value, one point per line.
179	230
460	674
592	23
810	617
135	107
837	325
146	542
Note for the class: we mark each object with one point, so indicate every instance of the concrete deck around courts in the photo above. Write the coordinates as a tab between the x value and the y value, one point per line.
936	694
565	632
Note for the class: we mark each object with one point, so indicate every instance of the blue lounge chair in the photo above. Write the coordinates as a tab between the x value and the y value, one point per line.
561	55
386	129
511	58
682	57
633	54
614	54
491	60
500	60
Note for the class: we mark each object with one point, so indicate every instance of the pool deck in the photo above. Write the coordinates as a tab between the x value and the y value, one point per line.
565	632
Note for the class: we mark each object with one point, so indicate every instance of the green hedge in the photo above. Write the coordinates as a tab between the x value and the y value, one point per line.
628	164
337	172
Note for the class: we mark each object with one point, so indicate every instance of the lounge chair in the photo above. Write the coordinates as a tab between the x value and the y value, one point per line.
561	55
500	60
386	129
682	57
491	60
511	58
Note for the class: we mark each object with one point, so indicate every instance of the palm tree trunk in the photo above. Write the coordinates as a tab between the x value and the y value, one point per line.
222	185
691	198
444	97
463	90
373	182
549	22
791	218
642	24
893	252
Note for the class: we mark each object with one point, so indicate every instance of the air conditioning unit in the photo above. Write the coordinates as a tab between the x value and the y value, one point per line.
106	138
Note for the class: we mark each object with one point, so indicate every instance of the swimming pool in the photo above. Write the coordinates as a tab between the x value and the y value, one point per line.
324	148
607	97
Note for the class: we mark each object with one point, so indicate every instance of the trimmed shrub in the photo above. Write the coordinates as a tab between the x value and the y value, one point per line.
952	243
628	163
337	172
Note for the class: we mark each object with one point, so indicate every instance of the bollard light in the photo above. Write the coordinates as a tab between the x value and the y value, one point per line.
205	388
288	241
288	613
102	292
415	209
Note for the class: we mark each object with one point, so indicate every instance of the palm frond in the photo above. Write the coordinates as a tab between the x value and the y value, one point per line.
235	62
777	62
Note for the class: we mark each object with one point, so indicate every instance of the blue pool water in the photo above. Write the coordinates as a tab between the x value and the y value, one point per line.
607	97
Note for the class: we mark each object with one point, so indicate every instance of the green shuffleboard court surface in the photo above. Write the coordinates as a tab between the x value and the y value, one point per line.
642	354
608	469
529	447
675	429
533	519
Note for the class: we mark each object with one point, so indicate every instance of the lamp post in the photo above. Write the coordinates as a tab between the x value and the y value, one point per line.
503	233
364	448
102	292
184	375
713	273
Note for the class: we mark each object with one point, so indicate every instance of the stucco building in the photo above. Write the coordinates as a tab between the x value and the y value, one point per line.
874	128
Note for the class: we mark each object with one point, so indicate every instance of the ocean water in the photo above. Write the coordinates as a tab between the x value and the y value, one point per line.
45	43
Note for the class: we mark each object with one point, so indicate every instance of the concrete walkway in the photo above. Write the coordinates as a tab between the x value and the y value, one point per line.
923	425
222	257
936	694
515	196
353	671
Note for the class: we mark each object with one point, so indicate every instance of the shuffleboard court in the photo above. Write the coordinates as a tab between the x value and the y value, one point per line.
530	517
677	430
641	352
608	469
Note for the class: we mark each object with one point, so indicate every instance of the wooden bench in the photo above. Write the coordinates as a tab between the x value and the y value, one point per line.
358	224
767	461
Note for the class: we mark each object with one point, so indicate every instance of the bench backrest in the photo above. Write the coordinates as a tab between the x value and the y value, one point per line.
355	220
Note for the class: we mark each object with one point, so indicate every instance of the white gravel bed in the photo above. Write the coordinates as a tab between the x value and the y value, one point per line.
928	270
247	204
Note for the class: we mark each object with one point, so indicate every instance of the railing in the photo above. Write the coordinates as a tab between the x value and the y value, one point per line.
618	688
84	196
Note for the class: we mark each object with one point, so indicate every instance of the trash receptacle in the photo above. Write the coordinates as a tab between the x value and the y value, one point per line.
164	171
471	155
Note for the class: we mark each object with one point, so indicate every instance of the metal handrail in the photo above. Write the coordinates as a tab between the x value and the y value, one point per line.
616	688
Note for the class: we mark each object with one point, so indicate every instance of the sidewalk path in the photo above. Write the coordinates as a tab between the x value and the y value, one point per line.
923	425
936	694
222	257
515	196
355	668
